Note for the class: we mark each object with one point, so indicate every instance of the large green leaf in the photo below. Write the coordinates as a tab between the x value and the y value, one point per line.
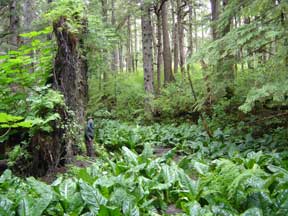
6	207
92	197
191	185
26	207
35	206
130	209
130	156
252	212
71	199
67	188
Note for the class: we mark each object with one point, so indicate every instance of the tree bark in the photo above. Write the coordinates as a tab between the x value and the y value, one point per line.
115	58
136	43
128	46
190	39
168	75
180	30
70	69
29	14
214	17
14	24
175	39
121	64
147	40
157	10
195	29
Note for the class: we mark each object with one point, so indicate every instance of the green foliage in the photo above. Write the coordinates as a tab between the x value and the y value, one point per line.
44	109
274	94
23	70
249	60
122	96
188	139
132	184
9	121
17	153
73	12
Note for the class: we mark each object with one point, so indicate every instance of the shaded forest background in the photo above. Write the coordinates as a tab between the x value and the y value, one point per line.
222	64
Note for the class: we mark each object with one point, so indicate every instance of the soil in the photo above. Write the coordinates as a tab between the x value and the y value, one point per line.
173	210
160	151
52	174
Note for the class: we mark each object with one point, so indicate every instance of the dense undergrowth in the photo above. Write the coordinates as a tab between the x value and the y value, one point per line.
225	175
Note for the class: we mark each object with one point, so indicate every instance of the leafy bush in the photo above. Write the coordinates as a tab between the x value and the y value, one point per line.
17	153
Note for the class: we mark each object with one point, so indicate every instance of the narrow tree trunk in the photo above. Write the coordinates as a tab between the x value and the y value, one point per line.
214	17
195	29
28	14
105	55
154	35
147	40
121	64
128	46
175	39
190	38
159	52
136	43
168	75
181	37
115	58
14	24
131	47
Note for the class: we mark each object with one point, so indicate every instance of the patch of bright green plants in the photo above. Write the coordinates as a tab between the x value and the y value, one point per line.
132	184
189	139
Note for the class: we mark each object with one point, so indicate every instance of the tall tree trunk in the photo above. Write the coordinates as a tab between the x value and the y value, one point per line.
115	58
249	64
121	64
132	47
195	28
154	34
70	78
14	24
159	51
228	64
190	38
104	10
136	43
214	17
128	46
28	13
175	38
181	36
168	75
147	40
70	69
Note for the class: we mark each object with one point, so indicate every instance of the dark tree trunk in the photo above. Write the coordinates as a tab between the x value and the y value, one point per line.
214	17
70	70
14	24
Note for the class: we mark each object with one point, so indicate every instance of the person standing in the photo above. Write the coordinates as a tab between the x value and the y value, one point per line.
89	136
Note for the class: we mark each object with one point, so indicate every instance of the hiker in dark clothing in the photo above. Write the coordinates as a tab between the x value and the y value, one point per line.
89	136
